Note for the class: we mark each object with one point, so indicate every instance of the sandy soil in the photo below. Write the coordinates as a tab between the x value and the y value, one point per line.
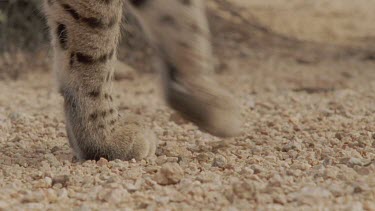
310	128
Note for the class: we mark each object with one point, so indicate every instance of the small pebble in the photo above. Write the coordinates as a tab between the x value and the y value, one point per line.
169	174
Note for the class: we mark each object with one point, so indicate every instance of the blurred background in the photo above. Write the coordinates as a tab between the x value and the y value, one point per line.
262	24
24	39
342	22
21	25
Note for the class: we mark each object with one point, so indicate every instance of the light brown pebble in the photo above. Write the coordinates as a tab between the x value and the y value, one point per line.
219	161
62	180
160	160
169	174
33	197
244	190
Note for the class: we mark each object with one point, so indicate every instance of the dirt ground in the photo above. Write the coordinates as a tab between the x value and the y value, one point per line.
306	82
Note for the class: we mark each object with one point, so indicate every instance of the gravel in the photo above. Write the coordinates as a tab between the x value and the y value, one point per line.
308	143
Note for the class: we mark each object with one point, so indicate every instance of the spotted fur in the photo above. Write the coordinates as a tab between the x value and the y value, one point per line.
85	35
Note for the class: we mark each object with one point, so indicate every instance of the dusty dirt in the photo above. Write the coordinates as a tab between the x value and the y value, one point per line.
309	106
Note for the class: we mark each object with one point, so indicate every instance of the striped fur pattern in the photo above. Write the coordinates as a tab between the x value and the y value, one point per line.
85	35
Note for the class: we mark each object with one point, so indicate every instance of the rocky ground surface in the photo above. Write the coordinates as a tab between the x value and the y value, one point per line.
309	141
